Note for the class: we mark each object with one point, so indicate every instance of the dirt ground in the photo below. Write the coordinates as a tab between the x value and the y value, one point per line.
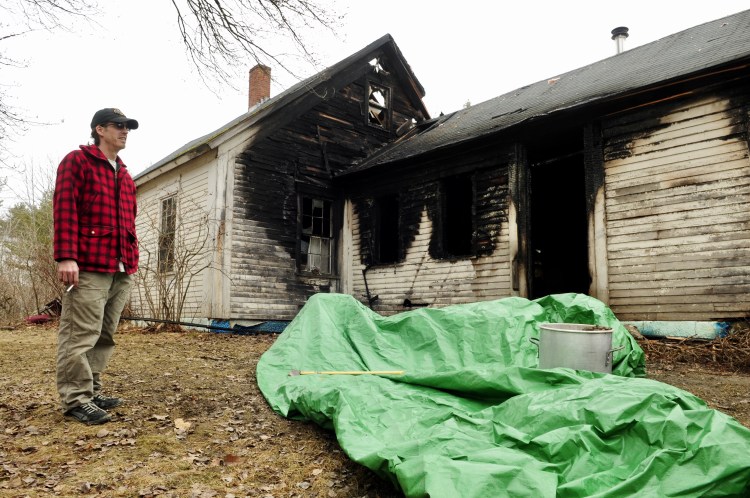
195	424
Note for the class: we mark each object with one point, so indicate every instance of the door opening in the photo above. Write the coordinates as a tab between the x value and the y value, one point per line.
559	227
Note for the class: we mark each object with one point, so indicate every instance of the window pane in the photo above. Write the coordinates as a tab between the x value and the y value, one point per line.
167	234
317	208
378	104
315	238
304	249
313	254
314	245
326	229
377	96
325	256
307	224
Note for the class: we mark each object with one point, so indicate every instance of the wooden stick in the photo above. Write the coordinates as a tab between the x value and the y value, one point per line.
345	372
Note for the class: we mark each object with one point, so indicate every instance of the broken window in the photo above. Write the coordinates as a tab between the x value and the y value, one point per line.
376	66
378	104
457	215
167	229
387	229
316	237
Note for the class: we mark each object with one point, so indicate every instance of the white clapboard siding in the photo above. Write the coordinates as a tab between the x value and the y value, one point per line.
426	281
194	235
678	213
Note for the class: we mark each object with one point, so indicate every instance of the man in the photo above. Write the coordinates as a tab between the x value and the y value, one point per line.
96	250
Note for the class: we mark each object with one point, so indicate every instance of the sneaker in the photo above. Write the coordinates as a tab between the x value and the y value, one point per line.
89	414
105	402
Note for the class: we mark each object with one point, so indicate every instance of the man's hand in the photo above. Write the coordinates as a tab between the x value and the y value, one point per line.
67	271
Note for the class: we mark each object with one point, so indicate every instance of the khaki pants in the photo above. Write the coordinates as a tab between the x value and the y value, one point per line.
85	341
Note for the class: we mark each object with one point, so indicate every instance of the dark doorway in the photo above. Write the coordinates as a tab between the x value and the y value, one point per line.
558	225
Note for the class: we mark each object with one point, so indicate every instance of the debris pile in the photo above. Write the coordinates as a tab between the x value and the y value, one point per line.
731	352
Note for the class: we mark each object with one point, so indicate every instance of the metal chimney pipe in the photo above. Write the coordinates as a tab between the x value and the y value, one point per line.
619	35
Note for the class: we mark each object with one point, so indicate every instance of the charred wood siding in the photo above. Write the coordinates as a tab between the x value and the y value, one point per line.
299	158
424	276
677	180
413	200
264	281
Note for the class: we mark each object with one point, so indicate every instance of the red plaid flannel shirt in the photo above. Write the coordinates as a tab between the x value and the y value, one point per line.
91	227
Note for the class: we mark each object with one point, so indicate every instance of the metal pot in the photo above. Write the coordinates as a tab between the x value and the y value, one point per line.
574	345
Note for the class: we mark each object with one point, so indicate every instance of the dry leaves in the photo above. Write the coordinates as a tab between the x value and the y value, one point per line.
205	430
193	425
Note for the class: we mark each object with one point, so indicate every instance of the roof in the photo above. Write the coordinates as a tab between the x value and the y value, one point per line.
696	49
292	95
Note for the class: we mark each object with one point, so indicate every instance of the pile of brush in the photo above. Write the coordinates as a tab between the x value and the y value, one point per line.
730	352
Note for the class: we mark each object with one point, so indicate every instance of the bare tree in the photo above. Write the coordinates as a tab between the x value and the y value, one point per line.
177	249
218	35
29	276
46	14
20	17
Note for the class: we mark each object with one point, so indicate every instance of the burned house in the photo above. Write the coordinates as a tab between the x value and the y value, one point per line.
627	179
244	224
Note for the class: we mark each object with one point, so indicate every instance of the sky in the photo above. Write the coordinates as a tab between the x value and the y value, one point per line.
132	58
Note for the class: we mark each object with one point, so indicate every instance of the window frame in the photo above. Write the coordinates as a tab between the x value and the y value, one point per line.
386	107
329	240
167	235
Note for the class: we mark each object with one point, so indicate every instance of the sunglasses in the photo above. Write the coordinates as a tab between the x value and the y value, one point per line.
119	126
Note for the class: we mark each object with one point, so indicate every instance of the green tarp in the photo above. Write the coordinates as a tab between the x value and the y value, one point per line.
472	416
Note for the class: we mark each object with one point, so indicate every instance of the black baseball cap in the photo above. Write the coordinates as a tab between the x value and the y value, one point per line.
112	115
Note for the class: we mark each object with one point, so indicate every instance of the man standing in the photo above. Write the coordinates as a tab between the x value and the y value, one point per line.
96	250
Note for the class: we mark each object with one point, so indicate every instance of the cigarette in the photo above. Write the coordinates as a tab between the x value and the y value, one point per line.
70	288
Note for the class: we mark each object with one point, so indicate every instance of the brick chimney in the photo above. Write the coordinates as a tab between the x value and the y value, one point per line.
260	85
